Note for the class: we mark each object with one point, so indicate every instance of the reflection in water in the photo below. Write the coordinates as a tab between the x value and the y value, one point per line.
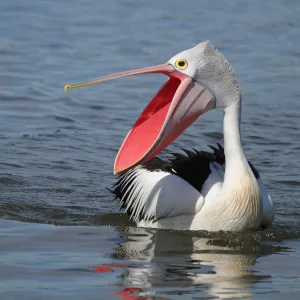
229	268
218	265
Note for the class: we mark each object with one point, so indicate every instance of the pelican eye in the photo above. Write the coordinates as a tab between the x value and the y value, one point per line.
181	64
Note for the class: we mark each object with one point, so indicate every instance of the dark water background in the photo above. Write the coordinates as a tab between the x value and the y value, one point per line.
57	149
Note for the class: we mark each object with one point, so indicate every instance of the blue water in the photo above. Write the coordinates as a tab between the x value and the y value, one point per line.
57	149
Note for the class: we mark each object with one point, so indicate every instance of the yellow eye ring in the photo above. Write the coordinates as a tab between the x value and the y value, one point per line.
181	64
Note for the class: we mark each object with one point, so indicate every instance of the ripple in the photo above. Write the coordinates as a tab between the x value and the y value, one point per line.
290	182
63	119
97	107
11	180
215	135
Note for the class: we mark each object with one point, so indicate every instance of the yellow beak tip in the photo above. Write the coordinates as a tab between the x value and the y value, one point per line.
67	86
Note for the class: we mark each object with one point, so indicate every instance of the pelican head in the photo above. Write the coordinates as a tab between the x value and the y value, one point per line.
200	79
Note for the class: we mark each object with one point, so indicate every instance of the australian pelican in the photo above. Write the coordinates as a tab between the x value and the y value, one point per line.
198	190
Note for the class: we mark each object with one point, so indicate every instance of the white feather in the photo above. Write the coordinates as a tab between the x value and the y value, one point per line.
168	201
158	194
216	177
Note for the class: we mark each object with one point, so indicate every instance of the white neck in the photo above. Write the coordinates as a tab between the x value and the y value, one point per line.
236	162
240	190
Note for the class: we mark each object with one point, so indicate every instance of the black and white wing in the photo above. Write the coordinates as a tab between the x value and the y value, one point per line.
150	194
164	189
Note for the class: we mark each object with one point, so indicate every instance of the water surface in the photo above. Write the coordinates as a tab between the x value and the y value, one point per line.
57	149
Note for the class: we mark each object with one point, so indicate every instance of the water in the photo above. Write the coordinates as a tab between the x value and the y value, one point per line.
57	149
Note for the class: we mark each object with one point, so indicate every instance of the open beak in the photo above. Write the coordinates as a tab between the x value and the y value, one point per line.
178	103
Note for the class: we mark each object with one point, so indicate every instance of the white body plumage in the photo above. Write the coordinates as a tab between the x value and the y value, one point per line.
167	201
